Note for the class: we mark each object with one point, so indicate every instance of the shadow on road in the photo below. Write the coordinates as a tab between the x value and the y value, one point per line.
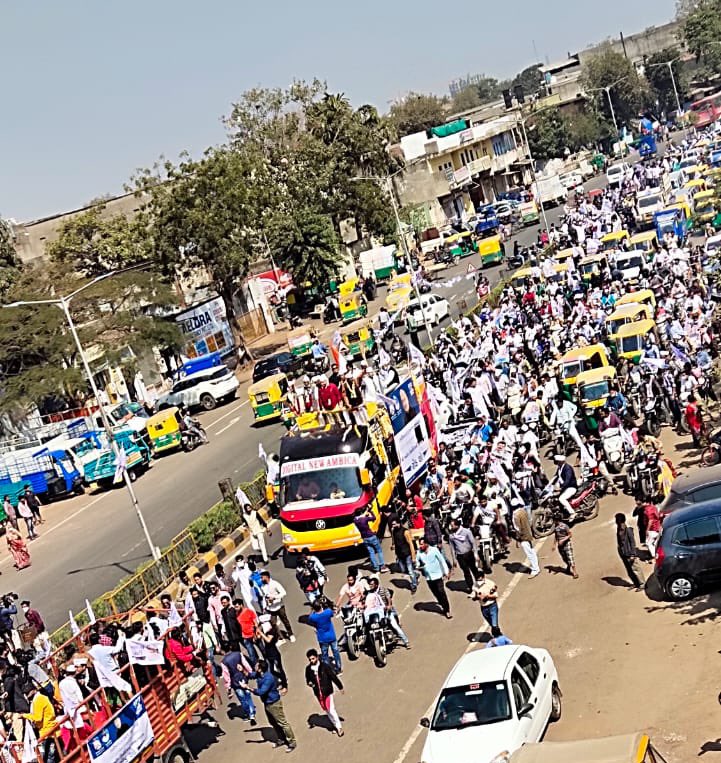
714	746
319	721
705	608
614	580
126	566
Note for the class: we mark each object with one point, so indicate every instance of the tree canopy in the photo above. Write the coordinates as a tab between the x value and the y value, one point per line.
9	262
702	31
659	78
416	112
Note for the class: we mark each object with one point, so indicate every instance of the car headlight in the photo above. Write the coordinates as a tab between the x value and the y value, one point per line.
287	539
502	757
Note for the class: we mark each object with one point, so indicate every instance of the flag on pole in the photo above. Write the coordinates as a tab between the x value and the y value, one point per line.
262	455
91	614
174	618
416	355
384	359
121	464
74	627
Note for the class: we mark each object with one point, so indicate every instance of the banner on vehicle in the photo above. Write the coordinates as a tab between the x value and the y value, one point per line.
125	737
317	464
145	652
205	329
410	431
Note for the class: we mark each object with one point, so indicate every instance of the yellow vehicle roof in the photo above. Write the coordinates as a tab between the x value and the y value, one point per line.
564	254
161	416
615	236
348	286
578	353
701	195
636	328
626	310
625	748
560	267
635	297
592	259
523	273
647	235
361	323
696	182
594	375
263	385
457	236
489	245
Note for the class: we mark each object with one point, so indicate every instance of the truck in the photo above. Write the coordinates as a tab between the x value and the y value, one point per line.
49	472
379	262
550	191
646	146
161	695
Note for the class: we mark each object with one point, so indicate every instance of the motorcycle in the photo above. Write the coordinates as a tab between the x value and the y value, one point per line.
712	453
330	314
487	552
354	629
642	476
614	449
584	503
651	421
191	438
562	442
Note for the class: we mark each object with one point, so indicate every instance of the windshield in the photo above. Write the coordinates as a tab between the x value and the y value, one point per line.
336	484
472	705
571	370
649	201
594	391
128	409
630	262
631	343
704	206
691	162
615	170
616	324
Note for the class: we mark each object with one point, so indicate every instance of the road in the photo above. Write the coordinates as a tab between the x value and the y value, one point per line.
627	660
89	543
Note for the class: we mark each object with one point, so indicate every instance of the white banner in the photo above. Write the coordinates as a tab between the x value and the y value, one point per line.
145	652
316	464
125	737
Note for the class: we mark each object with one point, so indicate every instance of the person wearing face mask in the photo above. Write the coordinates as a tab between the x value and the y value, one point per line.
33	617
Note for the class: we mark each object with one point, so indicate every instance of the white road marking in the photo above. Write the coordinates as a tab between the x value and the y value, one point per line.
228	426
225	415
403	754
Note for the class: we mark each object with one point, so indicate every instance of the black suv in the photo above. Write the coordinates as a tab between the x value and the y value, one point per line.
688	556
282	363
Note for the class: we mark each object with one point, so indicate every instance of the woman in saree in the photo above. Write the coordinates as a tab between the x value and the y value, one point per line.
18	547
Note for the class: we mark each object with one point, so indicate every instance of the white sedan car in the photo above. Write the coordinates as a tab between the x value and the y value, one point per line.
572	180
435	309
493	702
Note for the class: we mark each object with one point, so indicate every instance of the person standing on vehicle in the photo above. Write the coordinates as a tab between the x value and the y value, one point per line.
464	549
563	541
370	540
267	690
321	678
485	592
430	561
626	546
652	524
525	539
405	551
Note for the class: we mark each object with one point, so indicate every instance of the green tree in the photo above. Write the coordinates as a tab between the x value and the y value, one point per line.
416	112
529	79
586	128
702	32
611	69
548	134
9	262
468	98
659	77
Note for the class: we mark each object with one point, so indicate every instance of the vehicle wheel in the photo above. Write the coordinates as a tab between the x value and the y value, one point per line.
207	402
132	475
487	561
79	489
189	444
710	456
380	650
590	504
653	427
614	467
556	704
680	587
542	523
177	755
352	648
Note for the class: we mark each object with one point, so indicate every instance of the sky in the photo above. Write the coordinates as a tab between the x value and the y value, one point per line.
94	90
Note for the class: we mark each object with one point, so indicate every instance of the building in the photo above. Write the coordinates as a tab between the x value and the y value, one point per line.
449	176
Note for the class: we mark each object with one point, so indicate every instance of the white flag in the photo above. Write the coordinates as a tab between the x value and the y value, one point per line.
174	618
384	359
262	455
342	364
30	743
416	355
91	614
74	627
120	465
189	604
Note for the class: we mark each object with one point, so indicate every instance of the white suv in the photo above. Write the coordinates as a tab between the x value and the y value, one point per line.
202	389
616	173
435	308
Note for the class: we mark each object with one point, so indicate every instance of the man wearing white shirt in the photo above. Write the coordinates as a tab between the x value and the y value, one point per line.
274	594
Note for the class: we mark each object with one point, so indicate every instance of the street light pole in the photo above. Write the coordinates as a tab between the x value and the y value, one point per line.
607	89
675	88
533	170
64	304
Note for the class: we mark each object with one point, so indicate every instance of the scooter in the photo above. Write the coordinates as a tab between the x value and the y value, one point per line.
190	438
651	422
614	449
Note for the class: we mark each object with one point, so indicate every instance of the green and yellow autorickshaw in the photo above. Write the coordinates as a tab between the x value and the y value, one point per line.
640	296
461	244
269	397
631	339
580	359
647	241
593	387
358	337
352	306
613	240
491	250
704	207
300	342
164	430
626	313
626	748
594	264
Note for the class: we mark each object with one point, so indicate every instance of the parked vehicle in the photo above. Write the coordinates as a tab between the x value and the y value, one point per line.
692	487
204	389
268	397
487	222
689	549
282	362
550	191
492	703
50	473
572	180
379	262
